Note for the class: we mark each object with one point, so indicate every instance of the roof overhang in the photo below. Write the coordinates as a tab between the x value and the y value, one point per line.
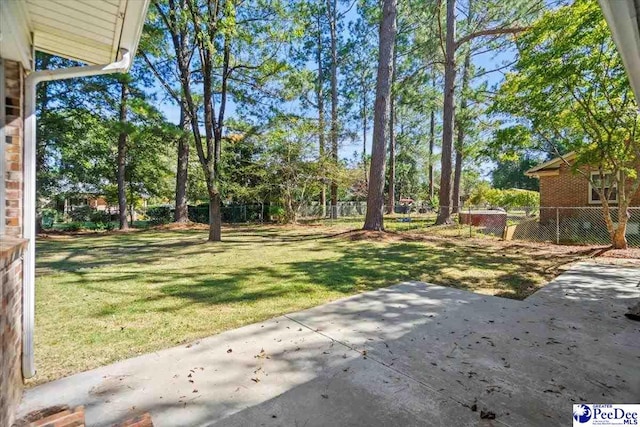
88	31
550	168
623	19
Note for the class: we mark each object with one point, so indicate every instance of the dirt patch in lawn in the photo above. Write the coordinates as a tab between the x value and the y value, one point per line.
495	244
630	253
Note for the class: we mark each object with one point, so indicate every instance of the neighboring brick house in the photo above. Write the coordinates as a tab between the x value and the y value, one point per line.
102	32
567	194
560	186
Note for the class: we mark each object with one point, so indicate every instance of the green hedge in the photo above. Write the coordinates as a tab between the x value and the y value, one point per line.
507	199
159	215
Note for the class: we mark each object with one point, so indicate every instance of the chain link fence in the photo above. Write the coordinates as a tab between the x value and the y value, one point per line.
559	225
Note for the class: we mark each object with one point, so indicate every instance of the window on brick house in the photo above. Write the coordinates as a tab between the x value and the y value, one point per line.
3	143
606	184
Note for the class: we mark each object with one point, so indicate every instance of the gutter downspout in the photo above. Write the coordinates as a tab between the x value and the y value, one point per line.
29	207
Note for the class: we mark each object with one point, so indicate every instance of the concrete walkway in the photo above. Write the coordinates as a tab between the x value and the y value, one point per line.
409	355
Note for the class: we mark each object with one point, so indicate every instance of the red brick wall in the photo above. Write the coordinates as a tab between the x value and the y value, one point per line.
14	128
11	249
569	189
10	335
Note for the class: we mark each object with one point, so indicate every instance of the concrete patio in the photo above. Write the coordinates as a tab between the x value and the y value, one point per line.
412	354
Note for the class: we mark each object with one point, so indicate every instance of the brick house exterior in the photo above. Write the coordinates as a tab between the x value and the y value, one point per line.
12	246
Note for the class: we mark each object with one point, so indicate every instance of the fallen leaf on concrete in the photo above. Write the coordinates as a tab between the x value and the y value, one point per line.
255	380
634	312
229	351
487	415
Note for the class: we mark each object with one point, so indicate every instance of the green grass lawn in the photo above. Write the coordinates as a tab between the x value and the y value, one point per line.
106	297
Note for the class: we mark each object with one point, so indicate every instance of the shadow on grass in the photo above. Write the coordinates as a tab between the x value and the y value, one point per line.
507	271
73	253
368	267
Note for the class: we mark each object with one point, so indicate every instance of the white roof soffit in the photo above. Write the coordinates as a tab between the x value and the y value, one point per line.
622	17
551	165
89	31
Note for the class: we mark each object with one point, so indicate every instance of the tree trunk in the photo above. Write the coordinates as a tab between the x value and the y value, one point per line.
457	175
432	139
290	216
321	125
334	100
448	111
619	239
215	213
122	158
215	217
391	197
466	70
364	135
391	201
374	219
619	235
182	212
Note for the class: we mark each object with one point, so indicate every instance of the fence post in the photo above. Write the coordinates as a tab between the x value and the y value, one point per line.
470	223
557	226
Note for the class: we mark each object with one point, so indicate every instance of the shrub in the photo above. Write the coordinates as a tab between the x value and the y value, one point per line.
159	215
81	214
50	217
142	224
515	198
276	213
100	226
99	216
71	226
507	199
199	213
